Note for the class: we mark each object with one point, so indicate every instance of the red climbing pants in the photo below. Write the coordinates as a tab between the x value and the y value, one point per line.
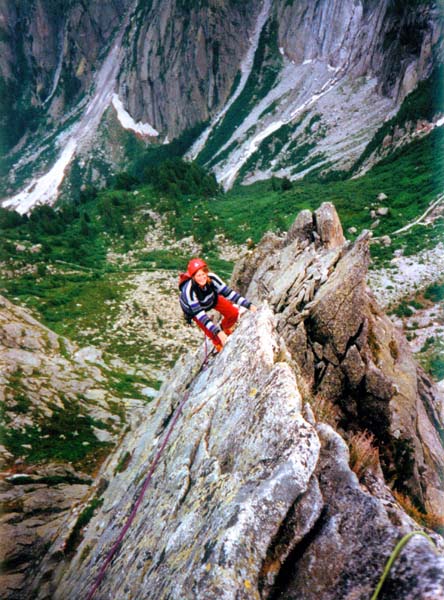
230	315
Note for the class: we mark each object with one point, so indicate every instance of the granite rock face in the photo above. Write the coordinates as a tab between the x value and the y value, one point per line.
348	350
188	55
253	496
356	33
351	539
57	43
240	456
167	68
251	499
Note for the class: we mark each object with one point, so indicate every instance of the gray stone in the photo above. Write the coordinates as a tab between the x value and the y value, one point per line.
302	227
240	487
353	541
353	367
332	384
384	387
329	226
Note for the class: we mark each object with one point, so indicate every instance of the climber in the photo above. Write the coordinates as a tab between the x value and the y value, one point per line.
201	291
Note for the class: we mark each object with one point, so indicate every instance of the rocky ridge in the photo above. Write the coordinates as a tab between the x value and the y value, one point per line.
347	349
254	493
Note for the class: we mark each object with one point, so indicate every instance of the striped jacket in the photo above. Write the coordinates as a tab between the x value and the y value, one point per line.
195	300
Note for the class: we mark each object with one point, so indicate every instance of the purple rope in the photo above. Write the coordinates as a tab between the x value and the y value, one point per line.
130	519
139	500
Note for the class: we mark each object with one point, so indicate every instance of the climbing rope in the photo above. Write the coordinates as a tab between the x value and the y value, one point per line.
394	555
145	485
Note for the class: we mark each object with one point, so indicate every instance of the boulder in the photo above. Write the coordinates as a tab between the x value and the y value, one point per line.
344	555
302	228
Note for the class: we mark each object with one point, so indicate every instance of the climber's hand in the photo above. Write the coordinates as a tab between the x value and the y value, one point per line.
223	337
253	308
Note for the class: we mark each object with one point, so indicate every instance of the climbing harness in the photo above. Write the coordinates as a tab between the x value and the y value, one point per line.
394	555
130	519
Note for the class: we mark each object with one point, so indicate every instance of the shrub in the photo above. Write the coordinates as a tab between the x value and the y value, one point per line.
10	219
325	411
435	292
125	181
286	184
364	455
403	310
425	519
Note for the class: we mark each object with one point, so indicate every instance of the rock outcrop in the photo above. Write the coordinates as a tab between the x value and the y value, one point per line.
253	496
59	421
348	350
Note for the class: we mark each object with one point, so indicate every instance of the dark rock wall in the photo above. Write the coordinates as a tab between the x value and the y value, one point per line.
183	58
48	44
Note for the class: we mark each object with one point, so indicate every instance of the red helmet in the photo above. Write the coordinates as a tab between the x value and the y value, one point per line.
194	265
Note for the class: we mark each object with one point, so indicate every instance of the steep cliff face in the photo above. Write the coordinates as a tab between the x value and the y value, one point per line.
392	40
347	350
182	60
49	51
190	59
271	84
253	493
332	55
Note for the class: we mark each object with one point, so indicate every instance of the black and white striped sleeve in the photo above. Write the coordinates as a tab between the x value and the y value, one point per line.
223	289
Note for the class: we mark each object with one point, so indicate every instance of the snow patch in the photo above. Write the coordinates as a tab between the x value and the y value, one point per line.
440	122
45	189
127	122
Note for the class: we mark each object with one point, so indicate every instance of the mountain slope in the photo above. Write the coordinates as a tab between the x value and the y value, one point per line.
61	416
276	84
